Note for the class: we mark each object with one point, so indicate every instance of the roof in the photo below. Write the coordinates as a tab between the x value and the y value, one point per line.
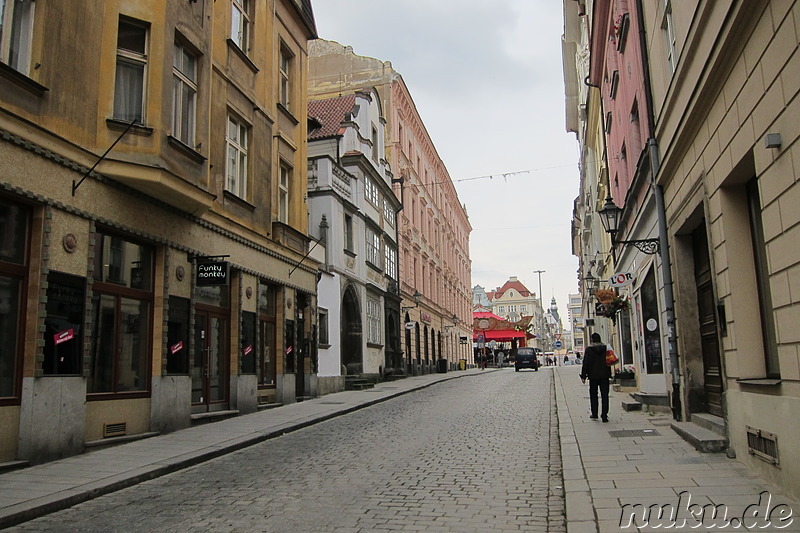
329	113
485	314
514	284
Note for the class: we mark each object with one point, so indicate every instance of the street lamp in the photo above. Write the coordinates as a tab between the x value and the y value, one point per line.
417	297
609	217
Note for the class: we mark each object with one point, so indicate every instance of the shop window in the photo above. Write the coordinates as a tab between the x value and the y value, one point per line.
63	336
15	223
248	353
178	335
119	358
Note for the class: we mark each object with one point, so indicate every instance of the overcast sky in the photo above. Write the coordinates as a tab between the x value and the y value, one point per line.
486	78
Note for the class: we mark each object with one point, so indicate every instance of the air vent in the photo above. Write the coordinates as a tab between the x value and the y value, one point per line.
763	445
115	430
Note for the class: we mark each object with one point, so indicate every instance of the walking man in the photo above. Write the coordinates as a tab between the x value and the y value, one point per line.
595	368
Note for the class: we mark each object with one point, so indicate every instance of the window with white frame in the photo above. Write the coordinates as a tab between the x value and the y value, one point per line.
502	309
523	308
240	24
371	191
373	247
286	78
373	321
388	212
16	29
668	29
283	193
129	83
184	94
236	162
390	261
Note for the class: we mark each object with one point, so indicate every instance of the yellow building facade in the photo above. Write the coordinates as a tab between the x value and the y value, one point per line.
153	225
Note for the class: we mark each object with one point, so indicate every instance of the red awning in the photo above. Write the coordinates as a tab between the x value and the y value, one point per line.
499	335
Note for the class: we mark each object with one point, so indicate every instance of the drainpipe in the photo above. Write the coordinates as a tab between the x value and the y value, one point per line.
666	266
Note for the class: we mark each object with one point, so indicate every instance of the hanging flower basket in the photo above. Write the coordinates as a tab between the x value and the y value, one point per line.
612	304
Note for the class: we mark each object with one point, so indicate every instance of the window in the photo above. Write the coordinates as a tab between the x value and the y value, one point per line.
523	308
502	309
63	337
16	28
236	171
286	80
768	328
184	94
348	233
129	84
240	24
324	336
668	30
373	321
374	143
390	261
121	316
178	335
371	191
14	219
373	247
388	212
283	194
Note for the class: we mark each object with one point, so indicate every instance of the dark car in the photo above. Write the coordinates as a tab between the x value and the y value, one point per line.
526	358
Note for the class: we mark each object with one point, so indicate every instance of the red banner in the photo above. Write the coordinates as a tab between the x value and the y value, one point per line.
177	347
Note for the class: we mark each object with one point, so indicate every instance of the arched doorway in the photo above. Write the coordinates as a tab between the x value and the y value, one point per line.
393	355
351	330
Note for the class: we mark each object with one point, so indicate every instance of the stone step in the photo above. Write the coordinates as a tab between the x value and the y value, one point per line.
704	440
13	465
711	422
213	416
631	405
264	406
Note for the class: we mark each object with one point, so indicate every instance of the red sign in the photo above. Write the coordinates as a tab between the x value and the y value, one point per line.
288	350
64	336
248	349
177	347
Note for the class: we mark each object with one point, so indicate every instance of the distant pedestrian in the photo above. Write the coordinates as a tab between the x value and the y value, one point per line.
566	359
595	369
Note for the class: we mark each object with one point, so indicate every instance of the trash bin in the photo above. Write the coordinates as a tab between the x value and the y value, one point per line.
462	364
441	366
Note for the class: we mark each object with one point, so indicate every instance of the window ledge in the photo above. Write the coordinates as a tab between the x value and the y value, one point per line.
121	125
229	196
242	55
186	150
324	345
349	253
374	345
760	382
20	79
288	113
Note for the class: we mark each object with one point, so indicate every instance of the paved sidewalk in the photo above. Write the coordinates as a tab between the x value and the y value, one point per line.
605	471
38	490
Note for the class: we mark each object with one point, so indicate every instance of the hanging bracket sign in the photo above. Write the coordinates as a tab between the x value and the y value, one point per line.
621	279
212	273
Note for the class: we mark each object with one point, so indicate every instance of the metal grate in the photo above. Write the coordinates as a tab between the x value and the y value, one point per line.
763	445
115	430
634	433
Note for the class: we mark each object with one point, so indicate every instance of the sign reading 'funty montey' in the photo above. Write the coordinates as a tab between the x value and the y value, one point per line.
212	273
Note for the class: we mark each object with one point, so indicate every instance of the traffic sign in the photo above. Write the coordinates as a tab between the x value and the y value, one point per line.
558	344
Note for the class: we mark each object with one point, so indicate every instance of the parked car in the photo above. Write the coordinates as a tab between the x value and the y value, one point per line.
525	357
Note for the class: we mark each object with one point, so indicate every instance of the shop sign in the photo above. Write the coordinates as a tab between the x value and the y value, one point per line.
212	273
621	279
177	347
64	336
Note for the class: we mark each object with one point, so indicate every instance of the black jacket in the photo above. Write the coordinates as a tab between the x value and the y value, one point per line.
594	363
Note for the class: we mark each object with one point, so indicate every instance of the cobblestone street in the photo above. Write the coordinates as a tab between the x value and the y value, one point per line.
475	454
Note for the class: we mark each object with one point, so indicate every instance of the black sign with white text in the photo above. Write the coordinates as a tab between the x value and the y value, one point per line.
212	273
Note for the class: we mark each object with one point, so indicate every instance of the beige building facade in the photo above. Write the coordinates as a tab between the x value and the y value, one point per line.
725	89
153	218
